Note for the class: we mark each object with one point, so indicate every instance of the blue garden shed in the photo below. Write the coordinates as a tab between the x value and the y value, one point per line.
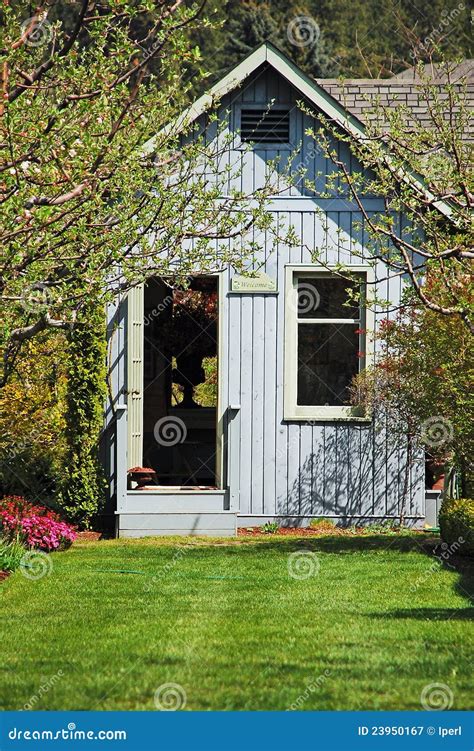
229	400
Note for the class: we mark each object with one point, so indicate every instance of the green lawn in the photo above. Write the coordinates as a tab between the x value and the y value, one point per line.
225	620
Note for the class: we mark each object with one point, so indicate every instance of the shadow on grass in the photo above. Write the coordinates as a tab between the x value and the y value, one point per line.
429	614
345	544
429	545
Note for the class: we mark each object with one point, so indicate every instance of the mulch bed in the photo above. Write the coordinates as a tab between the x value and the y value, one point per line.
4	575
89	535
321	529
328	529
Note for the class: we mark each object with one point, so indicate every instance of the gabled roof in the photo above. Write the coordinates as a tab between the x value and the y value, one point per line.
267	53
312	91
438	73
358	95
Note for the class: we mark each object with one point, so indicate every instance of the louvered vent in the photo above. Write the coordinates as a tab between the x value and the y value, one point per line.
264	125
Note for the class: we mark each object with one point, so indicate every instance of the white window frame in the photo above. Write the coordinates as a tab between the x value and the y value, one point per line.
292	410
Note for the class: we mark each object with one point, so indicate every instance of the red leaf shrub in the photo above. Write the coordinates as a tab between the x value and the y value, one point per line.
35	526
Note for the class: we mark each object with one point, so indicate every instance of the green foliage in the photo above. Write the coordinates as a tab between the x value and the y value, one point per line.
93	180
11	554
385	527
32	406
270	528
294	30
321	522
422	381
456	521
83	485
245	25
350	42
206	393
422	170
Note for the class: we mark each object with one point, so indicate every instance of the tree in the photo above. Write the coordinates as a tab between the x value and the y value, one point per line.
363	38
32	420
290	27
422	384
88	210
373	39
83	482
423	171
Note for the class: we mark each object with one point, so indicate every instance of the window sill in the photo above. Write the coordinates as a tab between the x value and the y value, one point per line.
326	414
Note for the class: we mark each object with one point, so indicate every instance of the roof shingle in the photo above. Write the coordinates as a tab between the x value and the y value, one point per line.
360	95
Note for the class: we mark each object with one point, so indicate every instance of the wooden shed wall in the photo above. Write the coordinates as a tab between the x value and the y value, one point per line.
296	468
289	467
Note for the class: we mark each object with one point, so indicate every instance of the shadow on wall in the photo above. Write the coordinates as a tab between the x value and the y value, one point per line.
357	472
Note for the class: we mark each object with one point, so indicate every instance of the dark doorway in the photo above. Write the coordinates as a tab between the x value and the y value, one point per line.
181	381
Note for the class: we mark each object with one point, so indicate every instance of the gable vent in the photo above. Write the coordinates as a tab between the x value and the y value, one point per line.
264	125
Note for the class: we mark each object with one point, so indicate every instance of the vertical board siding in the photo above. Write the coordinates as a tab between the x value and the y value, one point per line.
246	412
306	468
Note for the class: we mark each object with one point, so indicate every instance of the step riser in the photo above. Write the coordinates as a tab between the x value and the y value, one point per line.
141	502
222	524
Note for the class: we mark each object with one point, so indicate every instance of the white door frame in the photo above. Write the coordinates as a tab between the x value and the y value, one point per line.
135	359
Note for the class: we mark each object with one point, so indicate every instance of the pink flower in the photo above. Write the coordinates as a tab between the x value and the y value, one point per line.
36	526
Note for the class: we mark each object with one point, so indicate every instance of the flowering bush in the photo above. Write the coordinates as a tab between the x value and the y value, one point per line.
34	526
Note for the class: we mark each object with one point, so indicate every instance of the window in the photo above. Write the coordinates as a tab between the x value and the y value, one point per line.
265	125
325	341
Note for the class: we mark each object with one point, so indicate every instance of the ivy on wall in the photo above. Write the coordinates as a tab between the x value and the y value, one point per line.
83	485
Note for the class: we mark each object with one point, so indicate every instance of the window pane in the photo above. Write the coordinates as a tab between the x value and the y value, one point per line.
325	298
328	358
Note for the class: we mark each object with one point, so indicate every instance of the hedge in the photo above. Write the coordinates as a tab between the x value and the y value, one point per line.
456	521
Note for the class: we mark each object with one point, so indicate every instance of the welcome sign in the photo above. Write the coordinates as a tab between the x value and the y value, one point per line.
259	283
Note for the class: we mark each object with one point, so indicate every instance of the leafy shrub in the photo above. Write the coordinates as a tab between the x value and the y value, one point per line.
32	419
456	522
11	554
270	528
34	526
83	486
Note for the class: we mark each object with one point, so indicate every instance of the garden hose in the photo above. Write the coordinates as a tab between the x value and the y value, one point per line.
144	573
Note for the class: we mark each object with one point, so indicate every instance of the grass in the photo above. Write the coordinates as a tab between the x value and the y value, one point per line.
11	554
224	620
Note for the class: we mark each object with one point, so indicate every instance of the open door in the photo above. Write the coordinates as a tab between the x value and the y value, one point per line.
180	382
